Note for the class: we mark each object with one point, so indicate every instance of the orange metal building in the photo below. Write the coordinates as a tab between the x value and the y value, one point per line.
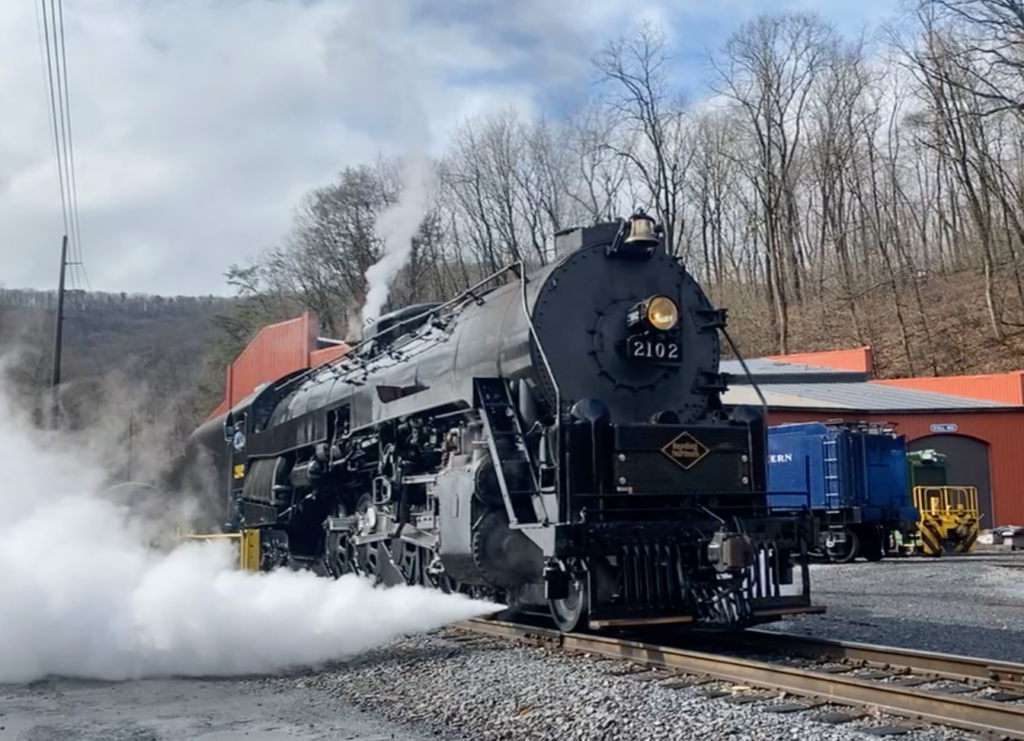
976	421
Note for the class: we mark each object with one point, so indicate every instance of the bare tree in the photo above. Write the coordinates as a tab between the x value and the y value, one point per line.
643	103
769	69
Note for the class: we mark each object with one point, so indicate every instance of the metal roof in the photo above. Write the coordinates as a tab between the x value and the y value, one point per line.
765	365
802	386
774	371
864	397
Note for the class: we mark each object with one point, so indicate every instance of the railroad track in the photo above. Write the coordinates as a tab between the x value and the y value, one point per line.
908	665
987	697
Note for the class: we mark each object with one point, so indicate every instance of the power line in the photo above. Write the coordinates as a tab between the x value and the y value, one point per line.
60	115
76	225
53	117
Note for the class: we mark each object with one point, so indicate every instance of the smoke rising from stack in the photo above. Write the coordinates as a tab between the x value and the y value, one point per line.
84	593
382	81
397	226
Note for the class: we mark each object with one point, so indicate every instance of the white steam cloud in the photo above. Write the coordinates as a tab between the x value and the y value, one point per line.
397	226
82	593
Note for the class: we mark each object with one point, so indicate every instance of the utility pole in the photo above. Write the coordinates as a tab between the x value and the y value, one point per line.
131	438
58	339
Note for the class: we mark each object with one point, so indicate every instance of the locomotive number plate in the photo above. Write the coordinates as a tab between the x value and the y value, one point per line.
645	348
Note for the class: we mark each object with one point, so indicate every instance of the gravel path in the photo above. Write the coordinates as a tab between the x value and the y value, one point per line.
970	607
490	689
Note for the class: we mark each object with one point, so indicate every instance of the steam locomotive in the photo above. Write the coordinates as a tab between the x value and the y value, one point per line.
554	441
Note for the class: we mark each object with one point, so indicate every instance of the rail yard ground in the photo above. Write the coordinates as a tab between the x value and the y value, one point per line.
186	710
973	605
440	686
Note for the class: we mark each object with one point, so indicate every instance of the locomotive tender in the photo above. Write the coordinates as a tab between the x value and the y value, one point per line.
552	441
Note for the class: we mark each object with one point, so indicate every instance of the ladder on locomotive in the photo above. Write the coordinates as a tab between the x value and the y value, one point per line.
510	455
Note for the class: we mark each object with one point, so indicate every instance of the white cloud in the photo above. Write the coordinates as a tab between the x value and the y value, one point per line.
199	123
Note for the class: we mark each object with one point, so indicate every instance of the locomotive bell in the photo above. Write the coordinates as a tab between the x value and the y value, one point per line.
642	232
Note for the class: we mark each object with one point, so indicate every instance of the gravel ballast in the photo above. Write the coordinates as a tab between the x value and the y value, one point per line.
485	689
495	689
967	606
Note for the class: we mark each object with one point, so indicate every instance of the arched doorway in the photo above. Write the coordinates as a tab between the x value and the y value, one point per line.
967	458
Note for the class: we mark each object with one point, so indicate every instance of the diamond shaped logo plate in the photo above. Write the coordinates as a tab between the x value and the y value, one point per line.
686	450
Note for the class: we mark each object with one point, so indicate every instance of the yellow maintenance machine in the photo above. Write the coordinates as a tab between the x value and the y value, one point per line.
248	545
948	516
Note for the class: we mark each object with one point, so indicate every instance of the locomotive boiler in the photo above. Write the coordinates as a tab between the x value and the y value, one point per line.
553	440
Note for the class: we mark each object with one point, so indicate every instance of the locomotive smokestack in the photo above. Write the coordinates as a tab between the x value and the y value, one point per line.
568	241
576	238
635	238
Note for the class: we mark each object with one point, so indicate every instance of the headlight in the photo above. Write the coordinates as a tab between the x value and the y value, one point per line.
662	313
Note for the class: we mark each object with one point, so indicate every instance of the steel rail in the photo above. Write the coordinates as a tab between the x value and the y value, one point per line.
968	669
971	714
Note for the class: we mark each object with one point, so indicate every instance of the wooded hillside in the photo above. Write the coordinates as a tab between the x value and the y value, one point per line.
130	362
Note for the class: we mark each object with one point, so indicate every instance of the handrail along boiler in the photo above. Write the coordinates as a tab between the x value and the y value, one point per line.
555	441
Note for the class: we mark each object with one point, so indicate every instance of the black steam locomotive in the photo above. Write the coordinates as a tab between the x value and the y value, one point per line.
554	441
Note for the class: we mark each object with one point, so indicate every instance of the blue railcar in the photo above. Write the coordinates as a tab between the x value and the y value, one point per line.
855	477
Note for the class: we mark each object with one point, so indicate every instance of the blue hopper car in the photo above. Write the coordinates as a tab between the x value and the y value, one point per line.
855	476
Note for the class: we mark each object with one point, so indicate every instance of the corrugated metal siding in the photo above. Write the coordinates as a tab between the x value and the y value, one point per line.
877	397
867	395
1002	430
275	350
767	366
763	368
1004	387
854	359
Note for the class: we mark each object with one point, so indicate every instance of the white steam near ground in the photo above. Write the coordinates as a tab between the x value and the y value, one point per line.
83	593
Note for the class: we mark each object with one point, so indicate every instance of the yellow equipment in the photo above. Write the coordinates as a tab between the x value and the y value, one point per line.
249	545
948	518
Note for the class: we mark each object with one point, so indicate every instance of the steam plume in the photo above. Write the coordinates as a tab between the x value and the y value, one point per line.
386	80
84	595
397	226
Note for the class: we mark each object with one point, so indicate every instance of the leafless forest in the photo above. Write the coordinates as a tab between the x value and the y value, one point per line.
830	191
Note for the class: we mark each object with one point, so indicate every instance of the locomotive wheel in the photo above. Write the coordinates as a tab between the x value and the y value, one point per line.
410	561
366	561
339	558
845	552
569	613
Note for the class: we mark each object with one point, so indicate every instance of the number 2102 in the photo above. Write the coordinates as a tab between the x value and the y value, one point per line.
654	349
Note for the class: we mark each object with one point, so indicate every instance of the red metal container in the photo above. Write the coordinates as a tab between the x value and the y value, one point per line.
276	350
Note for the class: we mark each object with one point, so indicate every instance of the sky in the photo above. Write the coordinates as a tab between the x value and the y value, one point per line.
197	125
